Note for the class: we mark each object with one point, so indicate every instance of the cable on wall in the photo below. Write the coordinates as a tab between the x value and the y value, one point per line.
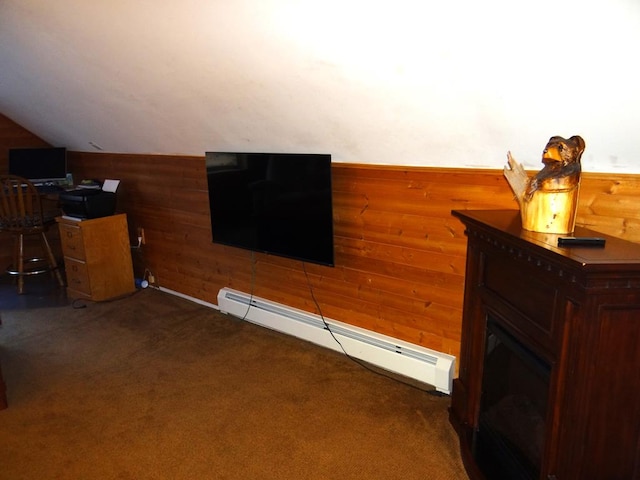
353	359
253	283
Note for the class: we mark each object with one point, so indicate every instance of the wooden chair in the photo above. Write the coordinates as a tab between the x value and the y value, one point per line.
21	215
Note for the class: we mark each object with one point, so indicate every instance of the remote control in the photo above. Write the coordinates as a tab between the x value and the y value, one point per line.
581	242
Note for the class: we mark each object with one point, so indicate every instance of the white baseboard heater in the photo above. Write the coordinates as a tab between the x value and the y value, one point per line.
412	361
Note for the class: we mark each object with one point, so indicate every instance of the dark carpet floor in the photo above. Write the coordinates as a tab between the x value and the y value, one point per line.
153	386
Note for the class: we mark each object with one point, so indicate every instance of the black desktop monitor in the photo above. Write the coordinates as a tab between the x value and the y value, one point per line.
39	165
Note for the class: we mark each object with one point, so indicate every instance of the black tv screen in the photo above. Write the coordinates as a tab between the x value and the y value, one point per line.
39	165
276	203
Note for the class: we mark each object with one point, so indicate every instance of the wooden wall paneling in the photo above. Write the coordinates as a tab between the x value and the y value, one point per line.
341	293
609	203
437	234
399	253
387	193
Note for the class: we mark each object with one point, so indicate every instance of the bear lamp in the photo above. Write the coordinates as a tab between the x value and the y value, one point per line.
549	200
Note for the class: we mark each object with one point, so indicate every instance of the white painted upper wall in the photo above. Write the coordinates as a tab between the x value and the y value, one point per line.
402	82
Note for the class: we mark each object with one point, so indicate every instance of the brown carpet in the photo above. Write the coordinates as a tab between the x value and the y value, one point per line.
156	387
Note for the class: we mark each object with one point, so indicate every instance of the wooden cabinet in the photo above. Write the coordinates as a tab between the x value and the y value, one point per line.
574	316
97	257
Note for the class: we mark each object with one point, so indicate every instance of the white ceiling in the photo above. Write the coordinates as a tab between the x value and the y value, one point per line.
406	82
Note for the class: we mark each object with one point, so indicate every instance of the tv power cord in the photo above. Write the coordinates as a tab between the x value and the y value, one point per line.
357	361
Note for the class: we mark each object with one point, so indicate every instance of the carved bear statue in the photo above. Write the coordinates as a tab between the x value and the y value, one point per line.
548	200
561	158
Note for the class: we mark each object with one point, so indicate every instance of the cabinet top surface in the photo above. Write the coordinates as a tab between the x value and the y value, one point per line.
91	221
506	225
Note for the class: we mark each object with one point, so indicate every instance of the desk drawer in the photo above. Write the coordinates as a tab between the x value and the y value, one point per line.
77	275
72	243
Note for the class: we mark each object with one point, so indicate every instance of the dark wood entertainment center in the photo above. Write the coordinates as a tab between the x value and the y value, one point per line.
549	373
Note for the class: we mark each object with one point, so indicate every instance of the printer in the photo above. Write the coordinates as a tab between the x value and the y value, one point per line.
85	203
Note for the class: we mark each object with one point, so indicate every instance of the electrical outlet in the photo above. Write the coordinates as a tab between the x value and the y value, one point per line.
141	235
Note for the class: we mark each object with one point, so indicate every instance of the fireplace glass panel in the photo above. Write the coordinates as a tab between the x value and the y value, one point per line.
509	442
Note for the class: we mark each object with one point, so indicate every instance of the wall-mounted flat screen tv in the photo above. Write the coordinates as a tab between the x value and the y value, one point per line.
39	165
275	203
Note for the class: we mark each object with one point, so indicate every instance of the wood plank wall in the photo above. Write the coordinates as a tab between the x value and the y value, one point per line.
399	254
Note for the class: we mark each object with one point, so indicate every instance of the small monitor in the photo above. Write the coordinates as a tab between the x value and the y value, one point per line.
39	165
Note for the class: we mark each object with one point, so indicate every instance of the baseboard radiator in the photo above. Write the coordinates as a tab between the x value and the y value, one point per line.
412	361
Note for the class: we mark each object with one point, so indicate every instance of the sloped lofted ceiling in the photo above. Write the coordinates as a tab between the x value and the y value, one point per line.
402	82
